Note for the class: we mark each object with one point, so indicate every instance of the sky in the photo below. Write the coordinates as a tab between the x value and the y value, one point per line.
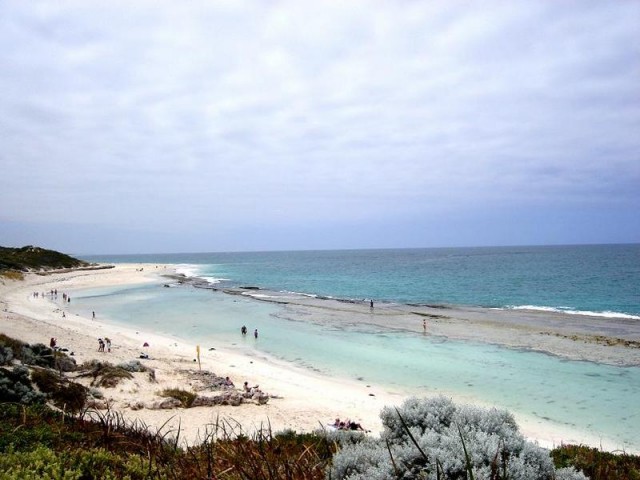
156	126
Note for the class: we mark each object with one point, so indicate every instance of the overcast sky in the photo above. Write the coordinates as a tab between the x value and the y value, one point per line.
130	127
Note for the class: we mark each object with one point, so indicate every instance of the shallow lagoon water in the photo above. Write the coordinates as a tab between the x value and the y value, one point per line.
599	400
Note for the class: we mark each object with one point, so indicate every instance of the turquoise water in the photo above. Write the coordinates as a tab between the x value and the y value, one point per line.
599	400
602	279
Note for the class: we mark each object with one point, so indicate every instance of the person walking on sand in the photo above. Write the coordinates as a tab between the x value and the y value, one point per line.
100	345
108	342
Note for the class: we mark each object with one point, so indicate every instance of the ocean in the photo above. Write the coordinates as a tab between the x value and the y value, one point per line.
594	400
600	279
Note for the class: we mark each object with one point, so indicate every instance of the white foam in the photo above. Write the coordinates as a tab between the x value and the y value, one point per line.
187	270
570	311
192	271
258	295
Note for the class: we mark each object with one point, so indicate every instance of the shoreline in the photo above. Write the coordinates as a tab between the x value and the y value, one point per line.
304	400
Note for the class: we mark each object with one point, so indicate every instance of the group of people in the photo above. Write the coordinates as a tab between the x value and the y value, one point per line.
102	343
251	390
54	295
347	425
245	386
243	331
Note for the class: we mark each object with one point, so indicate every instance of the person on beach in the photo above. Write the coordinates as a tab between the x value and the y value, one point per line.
249	389
243	330
108	342
52	343
371	304
424	325
100	345
94	315
255	333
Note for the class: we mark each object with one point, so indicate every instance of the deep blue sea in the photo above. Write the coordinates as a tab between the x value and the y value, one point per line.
602	279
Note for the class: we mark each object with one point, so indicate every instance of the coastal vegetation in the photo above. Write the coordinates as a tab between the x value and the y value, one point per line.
30	258
47	431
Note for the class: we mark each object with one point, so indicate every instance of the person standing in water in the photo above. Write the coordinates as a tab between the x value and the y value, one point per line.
255	333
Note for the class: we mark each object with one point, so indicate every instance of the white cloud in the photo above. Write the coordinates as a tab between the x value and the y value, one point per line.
157	112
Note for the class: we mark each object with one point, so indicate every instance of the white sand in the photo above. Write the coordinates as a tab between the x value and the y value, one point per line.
303	401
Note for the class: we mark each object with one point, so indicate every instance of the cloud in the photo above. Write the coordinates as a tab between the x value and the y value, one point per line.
237	113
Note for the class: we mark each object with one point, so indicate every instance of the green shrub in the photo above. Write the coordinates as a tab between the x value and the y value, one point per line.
67	395
6	355
15	386
9	349
35	258
95	463
37	354
596	464
40	463
47	381
24	427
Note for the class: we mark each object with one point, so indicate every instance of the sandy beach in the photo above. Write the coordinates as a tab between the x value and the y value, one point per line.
301	399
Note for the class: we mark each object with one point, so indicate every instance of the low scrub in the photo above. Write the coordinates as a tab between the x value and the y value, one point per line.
12	275
95	463
16	386
35	258
34	443
435	438
37	354
596	464
186	398
66	395
104	374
